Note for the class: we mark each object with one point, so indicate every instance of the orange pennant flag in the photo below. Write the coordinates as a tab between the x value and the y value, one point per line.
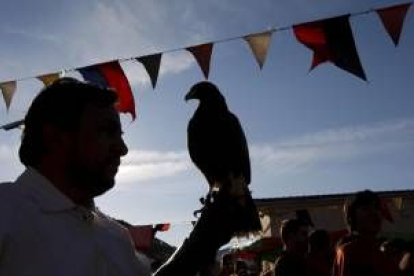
202	54
49	78
152	65
393	19
259	44
8	88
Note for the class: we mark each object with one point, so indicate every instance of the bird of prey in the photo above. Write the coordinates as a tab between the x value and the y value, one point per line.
218	147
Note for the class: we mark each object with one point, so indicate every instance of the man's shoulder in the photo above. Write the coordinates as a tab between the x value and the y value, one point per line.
283	260
10	201
9	190
287	264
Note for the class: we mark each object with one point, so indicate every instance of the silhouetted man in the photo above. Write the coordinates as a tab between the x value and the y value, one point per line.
292	262
72	147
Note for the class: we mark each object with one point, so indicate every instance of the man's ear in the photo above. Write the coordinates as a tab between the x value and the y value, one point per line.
55	138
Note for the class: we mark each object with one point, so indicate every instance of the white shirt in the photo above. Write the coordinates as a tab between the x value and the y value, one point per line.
43	233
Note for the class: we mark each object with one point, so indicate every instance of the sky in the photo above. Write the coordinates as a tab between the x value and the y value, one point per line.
319	132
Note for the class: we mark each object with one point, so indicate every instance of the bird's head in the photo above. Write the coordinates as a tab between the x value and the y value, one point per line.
204	91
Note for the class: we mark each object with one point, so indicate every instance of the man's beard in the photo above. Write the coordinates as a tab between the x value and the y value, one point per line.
90	180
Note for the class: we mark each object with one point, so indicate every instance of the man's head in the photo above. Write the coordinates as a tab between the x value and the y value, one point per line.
75	126
319	241
363	213
294	235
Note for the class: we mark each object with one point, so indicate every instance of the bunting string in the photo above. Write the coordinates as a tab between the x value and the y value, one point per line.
340	51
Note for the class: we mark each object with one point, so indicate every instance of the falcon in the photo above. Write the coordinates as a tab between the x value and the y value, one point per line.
218	147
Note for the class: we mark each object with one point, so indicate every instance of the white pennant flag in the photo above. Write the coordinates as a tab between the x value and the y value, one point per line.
259	44
8	88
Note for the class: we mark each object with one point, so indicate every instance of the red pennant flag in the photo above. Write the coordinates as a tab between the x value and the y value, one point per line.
331	40
114	75
393	19
162	227
202	54
142	236
152	65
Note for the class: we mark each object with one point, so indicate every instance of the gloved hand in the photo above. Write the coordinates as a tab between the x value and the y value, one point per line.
226	212
213	229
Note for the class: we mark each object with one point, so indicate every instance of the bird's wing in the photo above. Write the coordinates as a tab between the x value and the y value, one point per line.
239	148
200	146
218	146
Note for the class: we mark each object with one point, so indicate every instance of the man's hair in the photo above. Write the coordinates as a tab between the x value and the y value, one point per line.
289	227
62	105
362	198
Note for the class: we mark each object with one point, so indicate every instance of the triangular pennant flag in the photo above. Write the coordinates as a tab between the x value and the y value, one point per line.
114	75
331	40
8	88
393	19
111	75
259	44
93	74
49	78
162	227
152	65
312	36
142	236
202	54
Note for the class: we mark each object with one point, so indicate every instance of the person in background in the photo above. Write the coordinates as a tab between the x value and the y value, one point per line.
319	258
362	255
292	262
394	249
71	148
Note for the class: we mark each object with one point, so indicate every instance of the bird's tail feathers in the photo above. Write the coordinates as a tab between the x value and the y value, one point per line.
234	190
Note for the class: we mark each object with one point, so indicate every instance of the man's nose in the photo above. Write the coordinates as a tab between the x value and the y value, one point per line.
122	147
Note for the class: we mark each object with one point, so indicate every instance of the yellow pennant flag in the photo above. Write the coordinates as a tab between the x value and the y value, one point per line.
8	88
259	44
49	78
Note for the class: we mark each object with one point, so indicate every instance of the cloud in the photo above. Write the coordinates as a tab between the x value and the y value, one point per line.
10	164
379	130
141	166
116	30
332	145
7	152
291	155
33	34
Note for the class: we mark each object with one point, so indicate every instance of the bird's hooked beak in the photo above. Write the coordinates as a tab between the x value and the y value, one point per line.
190	95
